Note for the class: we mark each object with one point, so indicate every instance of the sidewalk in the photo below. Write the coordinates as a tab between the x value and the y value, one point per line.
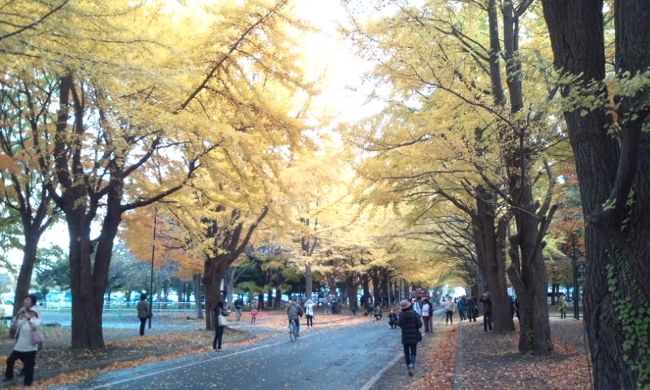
487	360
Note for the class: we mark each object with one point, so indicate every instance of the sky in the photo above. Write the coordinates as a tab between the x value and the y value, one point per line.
328	57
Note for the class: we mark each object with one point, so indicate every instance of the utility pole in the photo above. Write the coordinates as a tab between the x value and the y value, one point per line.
153	255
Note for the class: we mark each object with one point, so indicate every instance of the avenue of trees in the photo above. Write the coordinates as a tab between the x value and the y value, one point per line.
511	136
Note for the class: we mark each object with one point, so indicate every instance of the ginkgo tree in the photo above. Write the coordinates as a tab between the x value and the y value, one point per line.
144	94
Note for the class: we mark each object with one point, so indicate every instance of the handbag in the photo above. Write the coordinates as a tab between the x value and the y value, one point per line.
222	320
37	337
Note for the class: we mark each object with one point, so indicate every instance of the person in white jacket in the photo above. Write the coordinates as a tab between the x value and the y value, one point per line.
27	320
309	312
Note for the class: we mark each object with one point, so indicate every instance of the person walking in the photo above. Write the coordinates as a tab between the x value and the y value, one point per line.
253	315
487	311
219	319
462	307
309	312
378	313
239	304
450	307
26	323
425	315
144	312
430	316
392	319
410	323
417	307
562	307
471	309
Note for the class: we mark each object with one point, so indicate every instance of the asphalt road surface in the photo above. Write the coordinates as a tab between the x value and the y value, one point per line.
350	357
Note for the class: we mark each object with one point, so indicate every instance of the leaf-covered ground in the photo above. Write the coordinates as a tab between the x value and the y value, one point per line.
57	364
490	360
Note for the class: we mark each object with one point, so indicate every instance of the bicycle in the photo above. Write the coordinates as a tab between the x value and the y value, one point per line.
293	331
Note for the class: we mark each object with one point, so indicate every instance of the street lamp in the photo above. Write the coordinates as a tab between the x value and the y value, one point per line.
153	254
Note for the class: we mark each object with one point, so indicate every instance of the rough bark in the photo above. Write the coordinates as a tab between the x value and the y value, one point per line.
492	237
24	281
309	281
608	169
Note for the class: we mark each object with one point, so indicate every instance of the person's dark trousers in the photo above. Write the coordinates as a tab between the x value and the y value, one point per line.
430	323
143	322
218	337
29	361
449	317
487	320
410	352
426	324
310	320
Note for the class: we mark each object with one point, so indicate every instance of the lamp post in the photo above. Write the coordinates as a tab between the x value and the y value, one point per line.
153	254
576	287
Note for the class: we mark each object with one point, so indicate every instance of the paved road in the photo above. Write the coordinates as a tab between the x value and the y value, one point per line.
336	358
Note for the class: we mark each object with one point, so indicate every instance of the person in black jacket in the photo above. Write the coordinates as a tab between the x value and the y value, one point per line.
218	327
410	323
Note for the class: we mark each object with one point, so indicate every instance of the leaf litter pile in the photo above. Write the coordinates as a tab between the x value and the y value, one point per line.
491	360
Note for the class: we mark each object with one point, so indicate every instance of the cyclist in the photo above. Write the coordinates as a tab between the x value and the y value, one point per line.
294	312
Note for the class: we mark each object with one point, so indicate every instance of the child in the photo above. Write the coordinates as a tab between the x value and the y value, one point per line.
253	315
392	319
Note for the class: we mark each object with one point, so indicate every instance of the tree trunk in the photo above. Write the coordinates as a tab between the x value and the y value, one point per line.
376	286
365	284
490	253
24	281
87	302
229	282
214	271
351	288
309	280
278	297
610	172
260	301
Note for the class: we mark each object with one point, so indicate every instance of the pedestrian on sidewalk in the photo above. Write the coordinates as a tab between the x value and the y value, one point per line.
144	312
220	322
410	323
378	313
26	323
239	304
562	307
417	306
426	313
487	311
462	307
430	316
472	310
450	307
309	312
392	319
253	315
